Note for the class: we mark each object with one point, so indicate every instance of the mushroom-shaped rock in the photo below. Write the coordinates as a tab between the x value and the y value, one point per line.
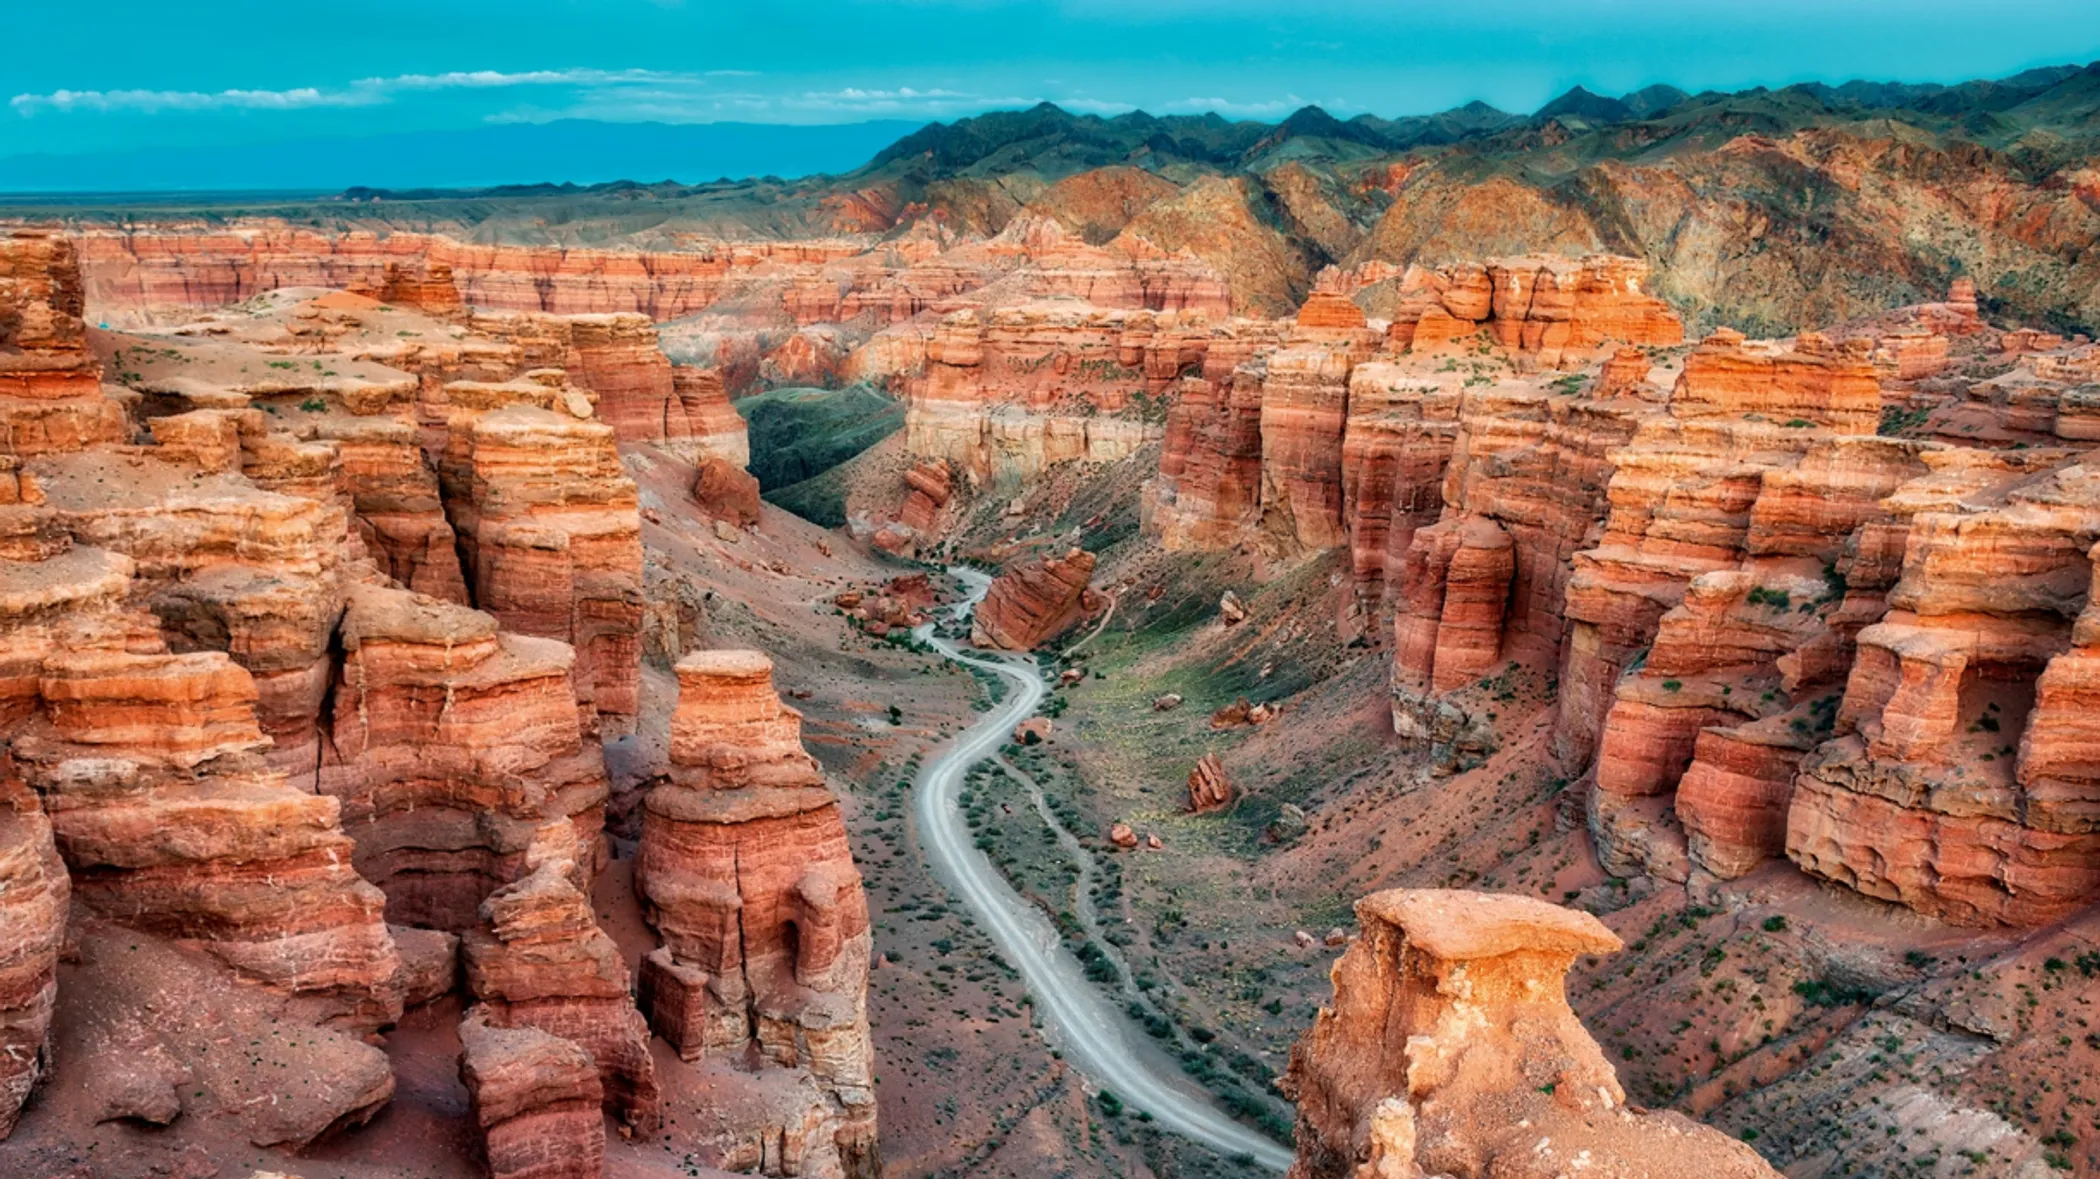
1450	1048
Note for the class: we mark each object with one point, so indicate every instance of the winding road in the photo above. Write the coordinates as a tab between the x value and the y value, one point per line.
1090	1027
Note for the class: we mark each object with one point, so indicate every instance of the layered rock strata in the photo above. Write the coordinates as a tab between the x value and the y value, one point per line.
745	872
549	523
534	1099
539	961
1035	602
34	890
452	742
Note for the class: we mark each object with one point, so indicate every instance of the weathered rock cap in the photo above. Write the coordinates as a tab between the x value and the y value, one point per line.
726	665
1462	926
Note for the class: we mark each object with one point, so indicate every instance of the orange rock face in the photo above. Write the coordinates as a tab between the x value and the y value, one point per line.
745	872
539	961
452	742
149	767
548	521
711	425
534	1098
1035	602
1551	310
1450	1049
1208	494
50	385
33	895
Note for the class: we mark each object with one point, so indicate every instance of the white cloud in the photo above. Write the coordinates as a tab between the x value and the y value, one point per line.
619	95
154	101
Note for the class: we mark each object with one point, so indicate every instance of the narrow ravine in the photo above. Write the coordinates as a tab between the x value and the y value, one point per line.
1090	1027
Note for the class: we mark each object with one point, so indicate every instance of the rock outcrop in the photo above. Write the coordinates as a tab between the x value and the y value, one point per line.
549	524
1209	788
452	742
539	961
50	386
1450	1049
33	895
534	1098
745	872
1035	602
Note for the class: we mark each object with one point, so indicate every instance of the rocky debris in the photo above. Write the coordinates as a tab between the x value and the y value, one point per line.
538	960
1230	609
1240	713
929	486
1450	1049
1166	703
1152	841
1209	788
535	1099
33	894
1122	835
726	492
1033	731
1035	602
452	742
745	872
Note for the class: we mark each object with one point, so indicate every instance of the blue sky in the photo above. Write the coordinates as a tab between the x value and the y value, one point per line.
117	75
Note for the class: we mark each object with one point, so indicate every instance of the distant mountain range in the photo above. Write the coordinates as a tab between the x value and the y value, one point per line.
575	156
569	151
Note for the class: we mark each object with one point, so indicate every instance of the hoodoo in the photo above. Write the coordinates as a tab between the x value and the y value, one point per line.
1450	1049
745	873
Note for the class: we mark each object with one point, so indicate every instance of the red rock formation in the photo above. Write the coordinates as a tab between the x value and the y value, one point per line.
1553	311
745	872
425	287
1035	602
1947	788
548	521
535	1099
1209	788
224	566
1007	393
1208	494
711	426
1451	1050
148	766
539	961
33	895
931	487
726	492
452	742
50	385
1448	628
1401	428
1304	406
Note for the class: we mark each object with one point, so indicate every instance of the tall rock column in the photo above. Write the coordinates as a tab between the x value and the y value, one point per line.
745	872
33	893
539	961
552	530
1450	1049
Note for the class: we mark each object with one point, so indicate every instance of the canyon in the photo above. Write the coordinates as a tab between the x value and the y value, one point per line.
1499	683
